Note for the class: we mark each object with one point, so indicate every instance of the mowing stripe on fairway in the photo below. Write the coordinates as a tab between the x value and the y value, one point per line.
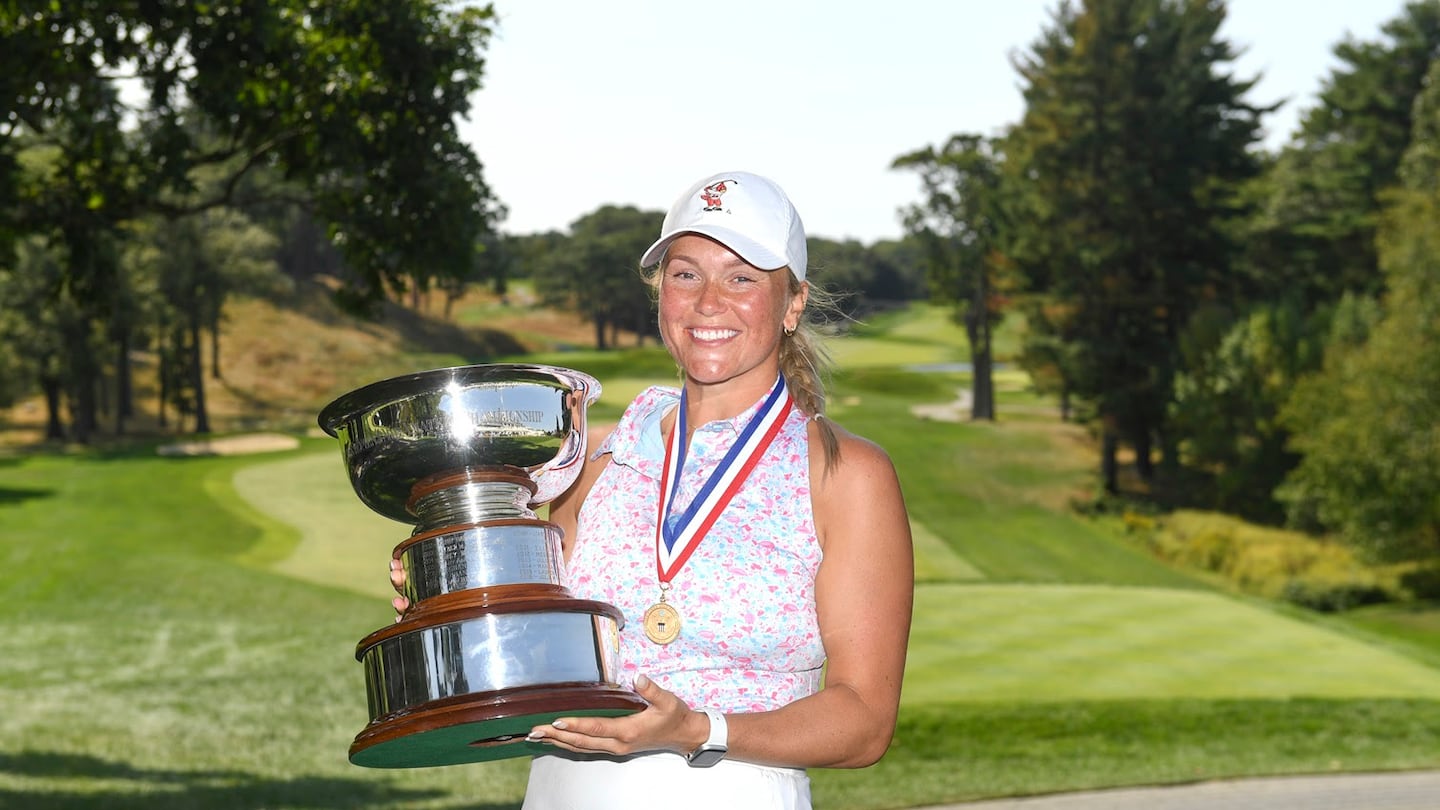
937	562
1095	642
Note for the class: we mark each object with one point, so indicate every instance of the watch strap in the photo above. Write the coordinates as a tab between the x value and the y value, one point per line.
715	746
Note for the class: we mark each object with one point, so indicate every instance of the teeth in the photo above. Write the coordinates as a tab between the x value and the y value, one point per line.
713	334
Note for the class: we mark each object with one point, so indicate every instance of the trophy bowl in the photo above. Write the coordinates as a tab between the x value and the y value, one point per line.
526	421
493	643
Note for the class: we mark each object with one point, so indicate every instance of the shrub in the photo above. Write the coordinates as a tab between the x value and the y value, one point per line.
1422	581
1275	563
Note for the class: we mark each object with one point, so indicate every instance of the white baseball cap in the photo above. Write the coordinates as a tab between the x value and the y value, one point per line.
742	211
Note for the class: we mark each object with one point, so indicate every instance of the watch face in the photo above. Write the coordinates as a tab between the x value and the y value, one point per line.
707	756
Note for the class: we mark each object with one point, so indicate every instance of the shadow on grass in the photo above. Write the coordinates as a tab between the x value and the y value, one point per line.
10	495
84	782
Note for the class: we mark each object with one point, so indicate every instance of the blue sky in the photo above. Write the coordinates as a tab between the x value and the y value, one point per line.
587	103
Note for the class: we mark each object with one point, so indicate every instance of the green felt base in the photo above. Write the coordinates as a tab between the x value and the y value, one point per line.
461	743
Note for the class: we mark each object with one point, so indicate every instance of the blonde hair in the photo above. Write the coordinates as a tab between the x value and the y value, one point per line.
804	361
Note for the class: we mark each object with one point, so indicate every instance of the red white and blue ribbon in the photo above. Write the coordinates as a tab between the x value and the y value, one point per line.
677	536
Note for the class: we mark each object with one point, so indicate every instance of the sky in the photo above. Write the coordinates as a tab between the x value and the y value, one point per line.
628	102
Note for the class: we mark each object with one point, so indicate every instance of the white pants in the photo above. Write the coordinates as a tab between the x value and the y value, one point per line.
569	782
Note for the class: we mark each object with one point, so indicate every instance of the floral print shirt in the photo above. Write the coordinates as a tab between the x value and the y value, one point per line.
749	638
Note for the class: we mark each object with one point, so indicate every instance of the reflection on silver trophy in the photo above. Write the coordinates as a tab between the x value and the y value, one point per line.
493	642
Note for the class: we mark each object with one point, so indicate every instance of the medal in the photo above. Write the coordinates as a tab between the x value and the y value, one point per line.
677	536
662	621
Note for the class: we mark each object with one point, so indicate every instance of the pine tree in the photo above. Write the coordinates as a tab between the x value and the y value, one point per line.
1132	144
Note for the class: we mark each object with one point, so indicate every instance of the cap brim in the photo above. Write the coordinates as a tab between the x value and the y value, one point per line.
743	246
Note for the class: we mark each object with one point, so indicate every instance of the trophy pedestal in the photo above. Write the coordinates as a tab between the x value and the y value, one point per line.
493	643
467	680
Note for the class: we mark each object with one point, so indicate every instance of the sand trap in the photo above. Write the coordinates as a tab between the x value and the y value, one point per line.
232	445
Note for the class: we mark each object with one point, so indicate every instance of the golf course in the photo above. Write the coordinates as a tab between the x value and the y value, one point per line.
180	630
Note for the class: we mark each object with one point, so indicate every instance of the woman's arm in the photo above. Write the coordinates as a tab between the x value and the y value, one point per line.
864	593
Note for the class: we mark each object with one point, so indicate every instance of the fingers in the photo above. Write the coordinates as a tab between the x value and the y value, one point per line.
651	729
397	581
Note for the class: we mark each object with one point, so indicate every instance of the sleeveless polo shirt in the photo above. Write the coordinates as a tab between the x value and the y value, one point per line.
749	638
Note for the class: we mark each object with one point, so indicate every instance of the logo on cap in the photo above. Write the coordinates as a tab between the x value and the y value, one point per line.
711	194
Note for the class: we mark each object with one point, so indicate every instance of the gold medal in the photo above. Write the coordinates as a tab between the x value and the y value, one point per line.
662	622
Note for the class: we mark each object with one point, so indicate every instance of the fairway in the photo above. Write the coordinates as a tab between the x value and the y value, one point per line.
1013	643
970	642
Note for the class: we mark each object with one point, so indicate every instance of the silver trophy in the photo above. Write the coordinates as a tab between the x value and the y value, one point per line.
493	643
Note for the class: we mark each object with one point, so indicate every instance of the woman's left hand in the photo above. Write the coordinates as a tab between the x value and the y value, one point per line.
667	724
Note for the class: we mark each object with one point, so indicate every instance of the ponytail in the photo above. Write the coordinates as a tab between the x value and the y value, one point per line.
806	365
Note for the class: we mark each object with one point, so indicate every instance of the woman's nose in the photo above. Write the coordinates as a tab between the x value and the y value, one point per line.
710	300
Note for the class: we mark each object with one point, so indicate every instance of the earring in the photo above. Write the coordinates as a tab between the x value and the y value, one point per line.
788	330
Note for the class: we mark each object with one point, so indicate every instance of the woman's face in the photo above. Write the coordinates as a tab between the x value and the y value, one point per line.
721	317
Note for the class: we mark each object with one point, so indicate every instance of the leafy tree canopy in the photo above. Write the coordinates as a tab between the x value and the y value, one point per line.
354	103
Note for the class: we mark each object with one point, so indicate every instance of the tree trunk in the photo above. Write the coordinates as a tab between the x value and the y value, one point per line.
982	372
162	372
82	381
599	332
1144	464
1109	446
982	364
202	416
124	384
215	342
1169	453
54	427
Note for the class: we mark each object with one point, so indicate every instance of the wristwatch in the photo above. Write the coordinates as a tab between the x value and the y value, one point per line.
713	749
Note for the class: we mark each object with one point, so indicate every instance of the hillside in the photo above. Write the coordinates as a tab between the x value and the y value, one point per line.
281	361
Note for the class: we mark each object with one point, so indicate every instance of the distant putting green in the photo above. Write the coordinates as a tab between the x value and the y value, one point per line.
337	540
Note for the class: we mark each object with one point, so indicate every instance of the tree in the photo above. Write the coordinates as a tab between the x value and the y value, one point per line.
1314	232
1237	375
960	224
1128	155
35	314
1368	426
354	105
197	262
858	278
1309	255
593	272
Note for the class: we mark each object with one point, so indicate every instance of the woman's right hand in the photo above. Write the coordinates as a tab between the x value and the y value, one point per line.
397	580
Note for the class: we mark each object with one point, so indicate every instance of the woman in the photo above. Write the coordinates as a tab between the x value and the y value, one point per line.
749	541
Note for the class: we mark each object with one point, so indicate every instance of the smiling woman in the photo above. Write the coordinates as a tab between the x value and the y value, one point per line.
761	554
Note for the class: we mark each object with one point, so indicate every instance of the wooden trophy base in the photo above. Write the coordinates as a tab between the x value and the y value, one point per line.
482	728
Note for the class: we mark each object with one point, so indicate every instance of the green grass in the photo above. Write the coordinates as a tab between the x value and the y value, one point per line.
955	752
142	666
1091	642
180	632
